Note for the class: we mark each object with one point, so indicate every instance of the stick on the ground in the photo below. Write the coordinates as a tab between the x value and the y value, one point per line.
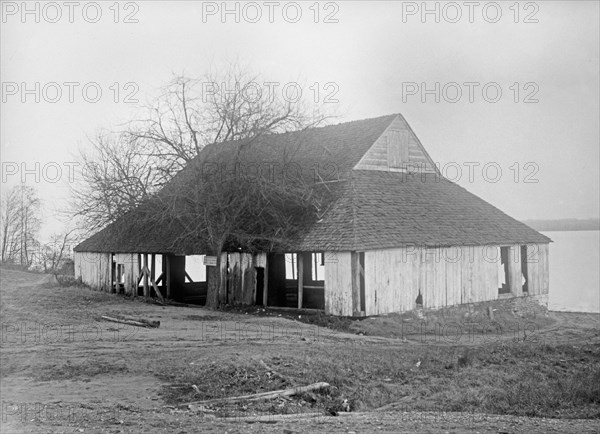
271	417
263	395
145	323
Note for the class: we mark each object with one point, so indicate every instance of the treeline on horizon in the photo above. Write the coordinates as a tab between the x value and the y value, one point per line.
564	224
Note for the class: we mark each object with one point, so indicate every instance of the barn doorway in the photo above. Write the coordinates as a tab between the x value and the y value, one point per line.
260	285
524	270
504	270
295	275
358	283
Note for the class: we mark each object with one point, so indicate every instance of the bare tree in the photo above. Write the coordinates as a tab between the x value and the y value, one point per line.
126	167
20	224
9	221
116	176
152	166
55	251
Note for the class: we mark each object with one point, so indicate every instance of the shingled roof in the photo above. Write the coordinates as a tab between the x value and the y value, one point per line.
371	209
380	210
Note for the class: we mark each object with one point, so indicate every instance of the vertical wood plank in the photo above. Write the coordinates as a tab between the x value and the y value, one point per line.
355	283
168	275
514	270
145	269
300	259
153	268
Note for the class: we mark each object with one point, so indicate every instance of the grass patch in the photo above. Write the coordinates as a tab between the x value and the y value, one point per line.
509	378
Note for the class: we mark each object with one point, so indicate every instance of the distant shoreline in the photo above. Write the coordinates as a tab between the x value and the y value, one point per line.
564	225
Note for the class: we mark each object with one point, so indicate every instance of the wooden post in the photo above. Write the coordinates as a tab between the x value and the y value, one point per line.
300	259
112	273
153	268
145	268
355	270
168	279
514	270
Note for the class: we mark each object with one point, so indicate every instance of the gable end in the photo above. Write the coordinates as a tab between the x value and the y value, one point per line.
397	150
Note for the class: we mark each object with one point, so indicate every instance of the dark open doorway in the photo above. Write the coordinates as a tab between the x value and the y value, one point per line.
524	268
260	285
504	286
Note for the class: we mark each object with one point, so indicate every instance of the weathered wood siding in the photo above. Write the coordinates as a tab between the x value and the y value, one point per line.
338	284
538	266
242	277
131	271
394	278
395	148
446	276
94	269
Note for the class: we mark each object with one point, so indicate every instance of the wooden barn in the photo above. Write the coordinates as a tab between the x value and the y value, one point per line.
395	236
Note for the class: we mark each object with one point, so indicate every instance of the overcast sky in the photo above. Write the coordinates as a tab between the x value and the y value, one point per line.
380	57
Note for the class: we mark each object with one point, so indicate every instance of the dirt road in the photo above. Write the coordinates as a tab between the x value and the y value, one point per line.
66	370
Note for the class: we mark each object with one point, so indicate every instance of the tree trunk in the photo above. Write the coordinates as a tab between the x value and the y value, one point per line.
213	283
216	285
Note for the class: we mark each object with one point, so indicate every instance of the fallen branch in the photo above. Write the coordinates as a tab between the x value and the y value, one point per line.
137	323
264	395
271	417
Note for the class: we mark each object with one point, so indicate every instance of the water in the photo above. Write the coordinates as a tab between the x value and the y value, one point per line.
574	275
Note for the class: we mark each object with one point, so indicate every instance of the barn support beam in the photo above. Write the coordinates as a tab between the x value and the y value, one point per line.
354	267
153	268
514	270
169	281
300	260
145	278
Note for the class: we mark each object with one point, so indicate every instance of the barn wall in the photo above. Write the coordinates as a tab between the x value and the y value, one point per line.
132	270
538	268
391	281
94	269
443	276
242	276
446	276
338	284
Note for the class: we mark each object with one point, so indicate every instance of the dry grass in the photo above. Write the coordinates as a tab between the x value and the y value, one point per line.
519	379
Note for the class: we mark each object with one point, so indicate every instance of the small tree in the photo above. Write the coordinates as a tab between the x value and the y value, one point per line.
55	251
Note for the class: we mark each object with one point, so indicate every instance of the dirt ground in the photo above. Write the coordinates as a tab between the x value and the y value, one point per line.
64	369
